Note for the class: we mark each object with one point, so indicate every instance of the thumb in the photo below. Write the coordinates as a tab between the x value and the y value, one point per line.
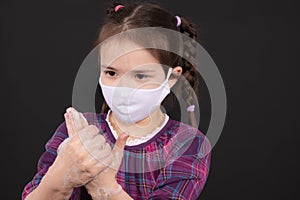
118	150
121	141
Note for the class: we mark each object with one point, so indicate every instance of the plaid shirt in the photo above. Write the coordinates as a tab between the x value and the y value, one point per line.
174	164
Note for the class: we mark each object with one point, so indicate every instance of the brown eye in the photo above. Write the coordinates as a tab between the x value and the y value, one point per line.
110	73
141	76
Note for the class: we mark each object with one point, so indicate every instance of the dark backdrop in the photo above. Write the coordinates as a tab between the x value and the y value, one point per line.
253	43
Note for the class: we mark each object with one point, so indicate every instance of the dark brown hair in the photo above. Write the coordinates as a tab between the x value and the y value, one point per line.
145	14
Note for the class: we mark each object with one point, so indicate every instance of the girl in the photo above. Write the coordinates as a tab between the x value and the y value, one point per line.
132	149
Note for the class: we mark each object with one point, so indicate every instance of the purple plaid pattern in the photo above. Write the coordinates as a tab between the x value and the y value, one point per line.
177	168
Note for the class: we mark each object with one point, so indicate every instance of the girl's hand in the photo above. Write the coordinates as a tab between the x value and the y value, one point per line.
105	184
84	154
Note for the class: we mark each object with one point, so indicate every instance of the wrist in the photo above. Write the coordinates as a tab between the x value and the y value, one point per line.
115	190
106	192
53	186
56	177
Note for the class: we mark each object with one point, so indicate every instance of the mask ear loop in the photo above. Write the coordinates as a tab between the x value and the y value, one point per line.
169	73
100	81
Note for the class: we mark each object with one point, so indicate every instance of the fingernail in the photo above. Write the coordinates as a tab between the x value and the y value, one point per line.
125	135
66	115
70	112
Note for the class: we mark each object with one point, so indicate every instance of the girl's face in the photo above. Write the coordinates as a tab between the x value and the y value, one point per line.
136	69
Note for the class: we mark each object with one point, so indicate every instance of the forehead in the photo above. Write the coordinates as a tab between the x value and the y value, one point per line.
125	54
135	59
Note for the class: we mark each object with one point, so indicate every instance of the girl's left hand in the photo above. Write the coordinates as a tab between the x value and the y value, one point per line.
105	184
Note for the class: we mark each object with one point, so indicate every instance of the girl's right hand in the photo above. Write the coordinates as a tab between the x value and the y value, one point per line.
83	155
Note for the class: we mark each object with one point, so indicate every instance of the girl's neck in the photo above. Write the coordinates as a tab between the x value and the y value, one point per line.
138	129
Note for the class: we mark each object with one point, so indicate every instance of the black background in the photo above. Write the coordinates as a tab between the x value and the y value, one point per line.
254	44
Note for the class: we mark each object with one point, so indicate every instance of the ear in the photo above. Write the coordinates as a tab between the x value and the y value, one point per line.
176	73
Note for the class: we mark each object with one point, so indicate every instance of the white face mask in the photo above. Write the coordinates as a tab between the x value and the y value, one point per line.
131	105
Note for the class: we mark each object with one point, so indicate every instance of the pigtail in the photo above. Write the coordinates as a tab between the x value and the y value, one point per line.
189	84
115	12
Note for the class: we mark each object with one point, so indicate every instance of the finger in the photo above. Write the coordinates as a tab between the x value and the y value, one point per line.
102	165
118	149
105	162
103	151
121	141
75	117
71	122
69	125
84	122
89	133
97	147
99	154
62	146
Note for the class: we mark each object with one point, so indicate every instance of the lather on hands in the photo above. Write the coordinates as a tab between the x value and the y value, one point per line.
78	159
94	163
105	185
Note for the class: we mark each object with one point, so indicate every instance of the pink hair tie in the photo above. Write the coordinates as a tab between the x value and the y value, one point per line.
178	20
191	108
118	7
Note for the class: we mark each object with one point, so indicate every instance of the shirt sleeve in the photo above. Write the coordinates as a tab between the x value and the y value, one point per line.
49	156
46	159
185	177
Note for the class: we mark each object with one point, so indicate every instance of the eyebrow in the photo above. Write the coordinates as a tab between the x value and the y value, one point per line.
142	70
108	67
134	71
